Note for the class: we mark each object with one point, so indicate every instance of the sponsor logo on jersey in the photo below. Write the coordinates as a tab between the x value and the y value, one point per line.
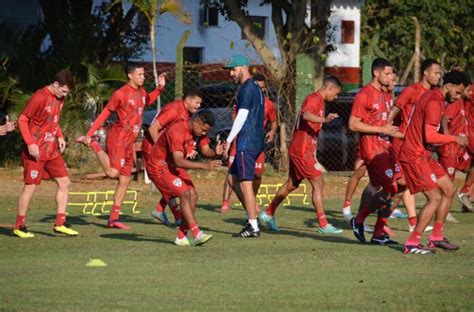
48	137
450	170
433	177
389	173
178	182
122	162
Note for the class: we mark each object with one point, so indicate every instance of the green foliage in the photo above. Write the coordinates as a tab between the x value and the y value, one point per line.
446	30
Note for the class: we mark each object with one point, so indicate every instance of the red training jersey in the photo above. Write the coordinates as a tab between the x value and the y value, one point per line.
177	137
372	107
39	123
305	134
427	111
458	124
406	101
129	104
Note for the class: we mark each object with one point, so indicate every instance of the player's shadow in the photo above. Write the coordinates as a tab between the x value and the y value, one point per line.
8	231
74	220
136	238
129	219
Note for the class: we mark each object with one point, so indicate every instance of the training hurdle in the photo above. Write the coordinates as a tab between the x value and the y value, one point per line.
96	203
267	192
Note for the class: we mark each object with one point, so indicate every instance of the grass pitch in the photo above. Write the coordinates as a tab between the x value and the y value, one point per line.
296	269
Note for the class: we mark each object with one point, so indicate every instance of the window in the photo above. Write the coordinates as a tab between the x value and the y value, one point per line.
192	55
258	23
209	17
347	32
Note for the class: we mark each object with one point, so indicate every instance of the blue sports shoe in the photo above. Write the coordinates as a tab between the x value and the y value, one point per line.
329	229
397	214
160	216
269	221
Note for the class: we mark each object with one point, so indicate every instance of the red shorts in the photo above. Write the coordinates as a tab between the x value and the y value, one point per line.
422	175
451	164
303	168
120	151
259	162
35	171
171	181
384	172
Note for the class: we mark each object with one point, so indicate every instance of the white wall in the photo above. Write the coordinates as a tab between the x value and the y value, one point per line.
346	55
216	41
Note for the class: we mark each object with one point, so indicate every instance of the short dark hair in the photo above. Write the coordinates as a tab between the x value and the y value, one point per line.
457	77
427	64
332	79
131	66
380	63
65	77
192	92
259	77
206	116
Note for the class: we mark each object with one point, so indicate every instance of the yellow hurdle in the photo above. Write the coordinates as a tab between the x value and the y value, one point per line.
99	200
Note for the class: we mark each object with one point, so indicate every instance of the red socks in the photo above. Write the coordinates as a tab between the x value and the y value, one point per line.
438	232
322	219
160	207
175	211
225	203
362	215
412	221
114	213
347	203
414	239
182	231
272	207
20	221
466	189
60	219
195	229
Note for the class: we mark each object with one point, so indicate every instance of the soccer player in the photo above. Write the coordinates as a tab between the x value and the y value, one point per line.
422	172
302	149
129	103
269	117
369	117
430	71
465	192
167	169
171	112
248	130
41	156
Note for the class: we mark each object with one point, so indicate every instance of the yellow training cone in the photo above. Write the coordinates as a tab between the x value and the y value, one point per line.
96	263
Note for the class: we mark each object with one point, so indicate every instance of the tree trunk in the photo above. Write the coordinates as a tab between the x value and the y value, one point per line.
153	52
416	75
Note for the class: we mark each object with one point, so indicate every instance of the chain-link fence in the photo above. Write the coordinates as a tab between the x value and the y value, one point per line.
337	145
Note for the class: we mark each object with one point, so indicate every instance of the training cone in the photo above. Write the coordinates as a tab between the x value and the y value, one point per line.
96	263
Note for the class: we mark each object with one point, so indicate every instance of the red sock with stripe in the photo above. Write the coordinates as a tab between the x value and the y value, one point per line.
273	206
195	229
379	225
414	239
347	203
412	221
160	207
114	213
438	232
322	219
60	219
20	221
175	211
182	231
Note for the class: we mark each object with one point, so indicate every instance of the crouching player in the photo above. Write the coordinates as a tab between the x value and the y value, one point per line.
422	172
303	164
167	169
41	157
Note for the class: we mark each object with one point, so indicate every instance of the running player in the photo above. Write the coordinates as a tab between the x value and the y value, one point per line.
369	117
167	169
430	71
303	164
128	102
422	172
249	133
269	117
41	156
171	112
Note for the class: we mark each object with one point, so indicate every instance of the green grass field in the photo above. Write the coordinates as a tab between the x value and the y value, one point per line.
295	269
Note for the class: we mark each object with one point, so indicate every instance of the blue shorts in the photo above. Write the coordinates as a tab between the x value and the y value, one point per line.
244	165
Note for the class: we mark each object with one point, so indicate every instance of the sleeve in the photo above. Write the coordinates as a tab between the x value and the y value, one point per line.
153	95
359	107
59	132
431	124
31	108
166	116
238	124
111	107
311	104
176	139
403	99
204	140
271	115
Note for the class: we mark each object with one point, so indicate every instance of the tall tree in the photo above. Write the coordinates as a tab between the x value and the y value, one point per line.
446	30
294	36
